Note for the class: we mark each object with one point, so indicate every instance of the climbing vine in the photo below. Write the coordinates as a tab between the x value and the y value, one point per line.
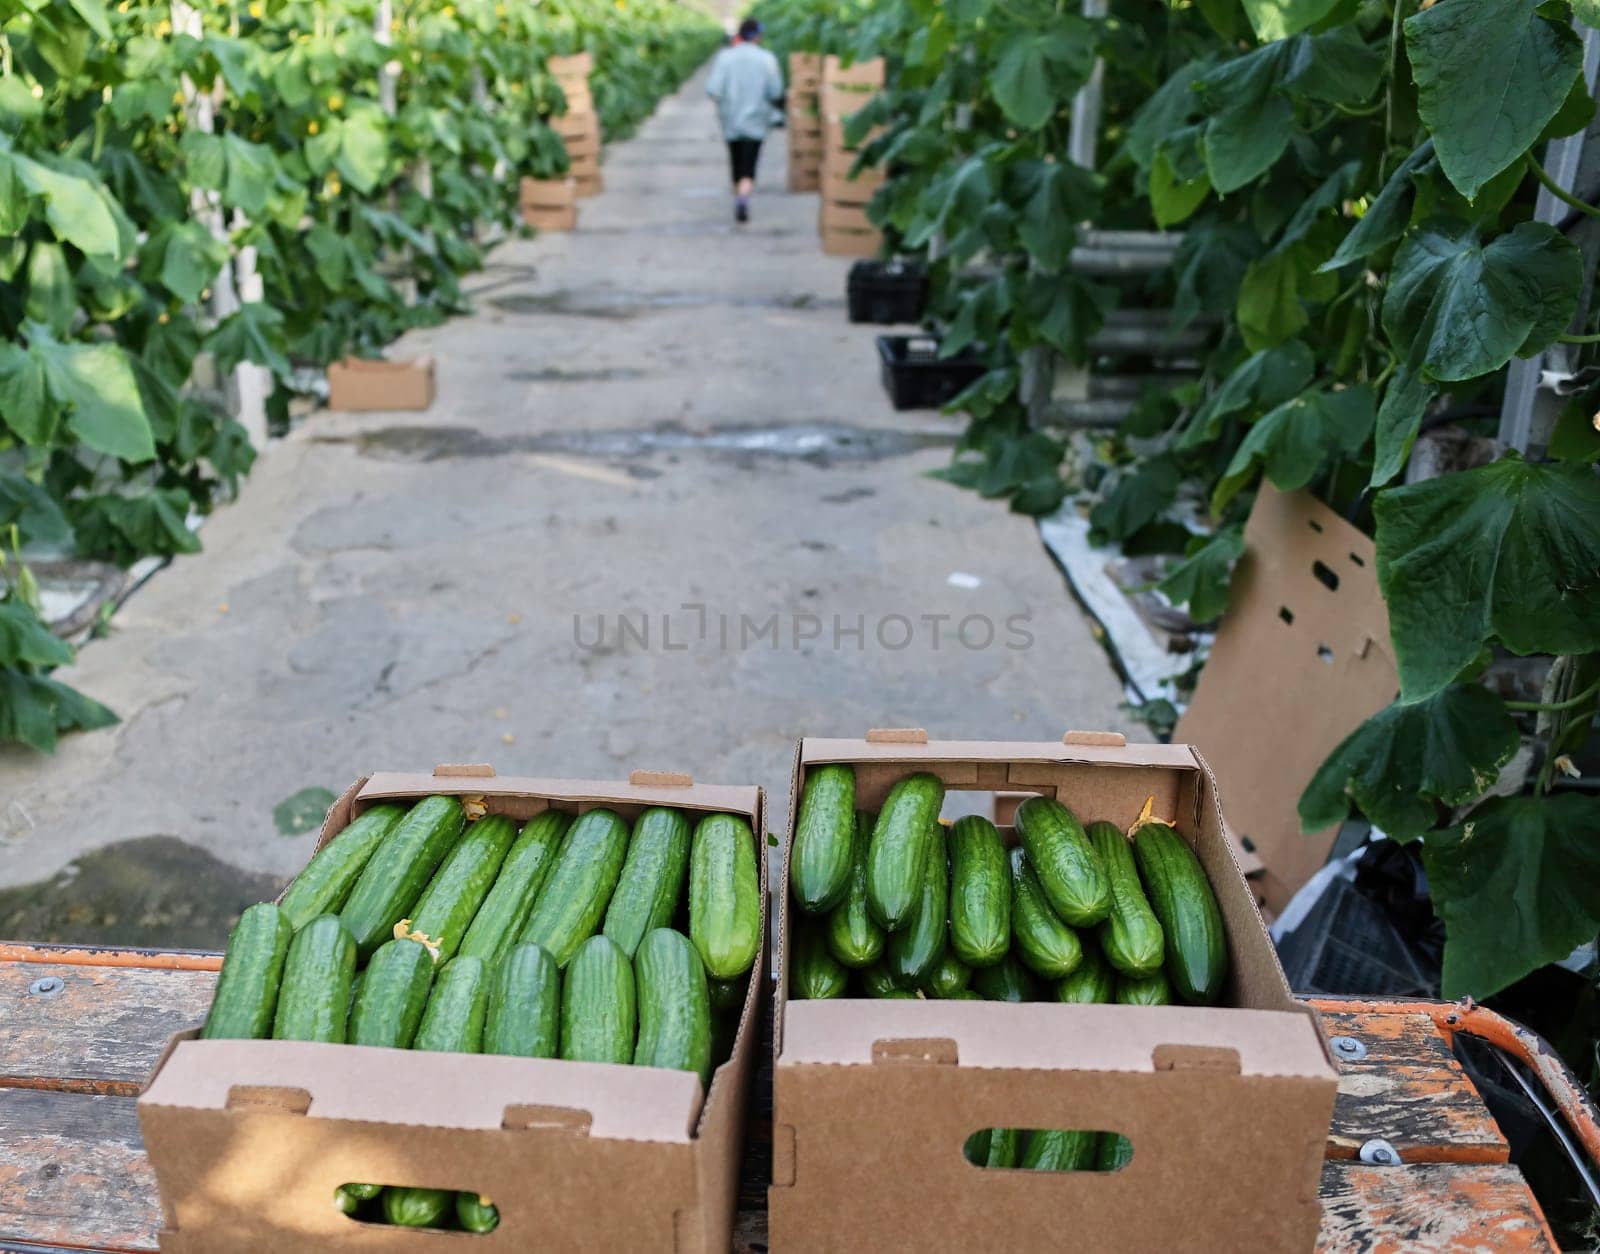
359	169
1354	182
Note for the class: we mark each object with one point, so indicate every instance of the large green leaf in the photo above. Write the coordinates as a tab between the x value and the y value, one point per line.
244	172
1037	72
1295	440
1507	552
1457	308
1249	123
96	385
1209	265
253	332
1140	496
25	640
364	148
184	258
1517	885
1173	198
1405	400
75	207
1276	19
1490	75
1201	581
1263	381
1270	308
33	511
1063	195
1410	757
1386	217
28	411
35	708
1166	110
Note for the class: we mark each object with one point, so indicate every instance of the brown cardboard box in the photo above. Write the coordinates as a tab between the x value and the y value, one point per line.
550	218
841	190
803	178
557	193
839	103
805	69
590	185
583	165
358	384
1306	629
861	74
1227	1108
249	1139
574	68
837	164
841	243
844	217
579	98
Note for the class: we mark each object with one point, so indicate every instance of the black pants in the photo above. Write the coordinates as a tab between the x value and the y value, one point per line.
742	156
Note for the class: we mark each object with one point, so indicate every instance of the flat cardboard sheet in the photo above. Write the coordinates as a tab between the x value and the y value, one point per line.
1301	658
358	384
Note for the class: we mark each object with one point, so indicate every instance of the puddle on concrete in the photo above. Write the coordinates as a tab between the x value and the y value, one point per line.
154	891
820	443
552	374
623	305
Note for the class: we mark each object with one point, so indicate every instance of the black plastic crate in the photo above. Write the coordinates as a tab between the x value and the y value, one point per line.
916	377
889	293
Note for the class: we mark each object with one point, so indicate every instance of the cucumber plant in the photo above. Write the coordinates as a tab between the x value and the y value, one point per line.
1359	241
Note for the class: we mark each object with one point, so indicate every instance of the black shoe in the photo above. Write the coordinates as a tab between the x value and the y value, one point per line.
741	212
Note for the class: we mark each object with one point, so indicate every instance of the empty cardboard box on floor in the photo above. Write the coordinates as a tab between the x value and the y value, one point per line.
360	384
249	1139
549	204
1227	1107
1306	630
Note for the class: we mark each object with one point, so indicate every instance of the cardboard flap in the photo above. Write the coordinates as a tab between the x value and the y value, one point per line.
419	1087
565	792
897	736
1050	1037
1110	740
661	779
464	770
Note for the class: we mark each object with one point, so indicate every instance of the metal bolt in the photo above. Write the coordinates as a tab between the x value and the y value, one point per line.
46	986
1380	1153
1348	1048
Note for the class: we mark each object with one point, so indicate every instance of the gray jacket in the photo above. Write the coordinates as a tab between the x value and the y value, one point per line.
745	82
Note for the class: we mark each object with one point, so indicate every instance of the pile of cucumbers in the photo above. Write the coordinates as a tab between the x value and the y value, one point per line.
897	905
573	937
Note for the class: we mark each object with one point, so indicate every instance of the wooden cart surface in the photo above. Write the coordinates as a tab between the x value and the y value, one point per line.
81	1028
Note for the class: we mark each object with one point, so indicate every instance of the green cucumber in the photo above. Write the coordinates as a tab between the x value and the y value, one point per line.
725	995
356	982
523	1016
1004	1146
314	998
901	844
417	1208
399	870
980	892
1007	980
394	991
724	895
824	838
333	870
1058	1150
674	1007
252	970
1144	990
362	1192
504	912
652	877
1093	983
452	1023
854	936
574	897
814	971
976	1147
1131	938
450	902
1044	942
476	1213
1181	896
1074	882
346	1201
877	982
598	1004
912	951
1115	1152
947	977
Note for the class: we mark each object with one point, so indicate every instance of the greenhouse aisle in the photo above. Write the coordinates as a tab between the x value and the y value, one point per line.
661	418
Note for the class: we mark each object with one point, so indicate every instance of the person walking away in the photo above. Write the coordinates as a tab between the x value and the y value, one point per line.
746	84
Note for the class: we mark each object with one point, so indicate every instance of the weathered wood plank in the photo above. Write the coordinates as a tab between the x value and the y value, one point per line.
1410	1091
1431	1207
101	1032
73	1172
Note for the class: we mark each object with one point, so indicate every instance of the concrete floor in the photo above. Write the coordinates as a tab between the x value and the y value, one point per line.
657	412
